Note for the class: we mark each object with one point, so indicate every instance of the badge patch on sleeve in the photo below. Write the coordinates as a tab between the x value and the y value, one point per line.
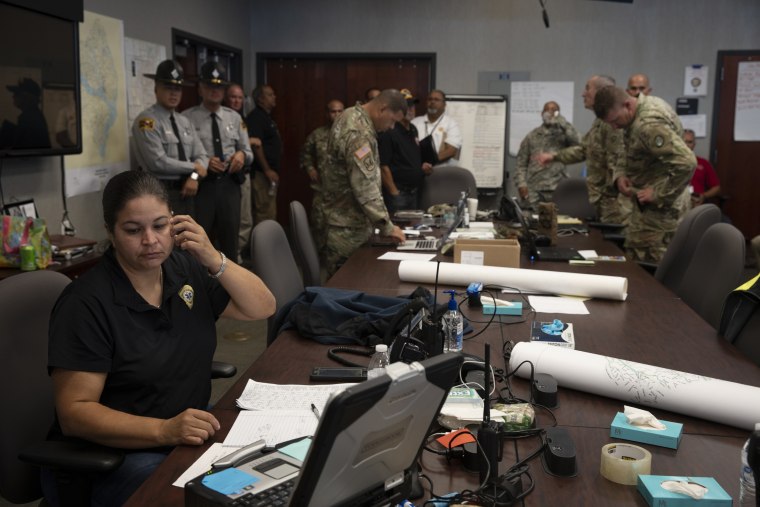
659	141
146	124
363	152
188	295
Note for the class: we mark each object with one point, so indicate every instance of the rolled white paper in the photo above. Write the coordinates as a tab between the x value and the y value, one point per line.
532	280
684	393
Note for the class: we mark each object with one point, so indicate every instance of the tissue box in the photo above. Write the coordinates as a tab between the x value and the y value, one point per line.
514	309
670	437
655	495
488	252
566	339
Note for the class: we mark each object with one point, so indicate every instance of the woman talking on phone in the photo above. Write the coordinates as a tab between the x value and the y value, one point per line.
131	341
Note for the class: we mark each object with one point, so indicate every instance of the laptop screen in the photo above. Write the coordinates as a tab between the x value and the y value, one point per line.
368	440
529	241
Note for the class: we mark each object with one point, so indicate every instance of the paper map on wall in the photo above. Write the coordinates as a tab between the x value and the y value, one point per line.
104	109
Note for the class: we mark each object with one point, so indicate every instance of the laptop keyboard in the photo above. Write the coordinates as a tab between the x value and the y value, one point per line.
273	497
425	244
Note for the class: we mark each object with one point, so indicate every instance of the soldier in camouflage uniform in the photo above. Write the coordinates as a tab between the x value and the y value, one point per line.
536	183
657	172
353	201
313	161
603	150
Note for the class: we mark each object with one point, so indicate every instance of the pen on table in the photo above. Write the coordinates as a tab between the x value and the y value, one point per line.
315	410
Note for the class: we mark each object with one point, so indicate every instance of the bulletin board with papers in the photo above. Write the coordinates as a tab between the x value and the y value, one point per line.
482	120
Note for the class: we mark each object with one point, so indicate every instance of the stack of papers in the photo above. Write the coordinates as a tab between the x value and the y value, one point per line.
278	412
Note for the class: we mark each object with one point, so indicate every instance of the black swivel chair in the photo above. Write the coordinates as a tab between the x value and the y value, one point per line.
303	244
673	265
571	198
273	262
714	271
26	301
445	186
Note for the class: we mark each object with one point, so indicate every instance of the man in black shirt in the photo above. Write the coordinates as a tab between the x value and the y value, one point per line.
267	150
401	162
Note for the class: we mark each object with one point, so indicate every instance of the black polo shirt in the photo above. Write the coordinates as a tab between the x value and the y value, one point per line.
261	125
157	360
400	150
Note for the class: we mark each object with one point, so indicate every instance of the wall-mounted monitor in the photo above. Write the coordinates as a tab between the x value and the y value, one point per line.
39	83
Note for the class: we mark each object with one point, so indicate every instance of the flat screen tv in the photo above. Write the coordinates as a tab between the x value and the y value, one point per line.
39	84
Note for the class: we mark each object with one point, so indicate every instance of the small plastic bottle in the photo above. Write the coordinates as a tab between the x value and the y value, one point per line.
378	361
272	188
453	326
466	218
747	478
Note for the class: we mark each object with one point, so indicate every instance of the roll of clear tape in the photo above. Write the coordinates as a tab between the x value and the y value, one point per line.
623	463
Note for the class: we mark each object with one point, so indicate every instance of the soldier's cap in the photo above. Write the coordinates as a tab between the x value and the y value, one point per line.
213	73
410	99
26	85
168	72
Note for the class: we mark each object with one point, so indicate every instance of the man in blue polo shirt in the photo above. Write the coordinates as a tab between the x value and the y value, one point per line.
401	163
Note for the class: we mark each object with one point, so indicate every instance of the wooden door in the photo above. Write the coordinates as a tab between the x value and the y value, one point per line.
737	162
305	83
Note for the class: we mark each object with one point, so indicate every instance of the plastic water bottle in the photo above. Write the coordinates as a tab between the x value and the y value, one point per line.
272	188
453	326
747	484
378	361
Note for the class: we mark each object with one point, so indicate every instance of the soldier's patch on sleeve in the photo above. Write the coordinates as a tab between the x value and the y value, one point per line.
659	141
363	152
146	124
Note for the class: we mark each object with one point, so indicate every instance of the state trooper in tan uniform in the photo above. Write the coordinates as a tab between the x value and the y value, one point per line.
353	201
165	141
658	168
604	152
224	136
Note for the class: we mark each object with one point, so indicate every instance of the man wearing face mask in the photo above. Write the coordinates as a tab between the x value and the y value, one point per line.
604	152
353	202
535	182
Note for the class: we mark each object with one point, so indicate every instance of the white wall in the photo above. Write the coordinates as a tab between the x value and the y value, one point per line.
224	21
658	37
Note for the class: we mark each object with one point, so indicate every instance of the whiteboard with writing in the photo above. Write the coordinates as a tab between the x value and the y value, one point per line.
747	118
527	101
482	119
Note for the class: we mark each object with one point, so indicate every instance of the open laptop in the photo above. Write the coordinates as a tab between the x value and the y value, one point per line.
543	253
364	451
432	245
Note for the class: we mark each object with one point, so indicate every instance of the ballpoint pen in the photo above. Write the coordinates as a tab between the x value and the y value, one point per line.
315	410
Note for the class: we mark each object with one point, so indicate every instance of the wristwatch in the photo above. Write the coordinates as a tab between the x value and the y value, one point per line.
194	176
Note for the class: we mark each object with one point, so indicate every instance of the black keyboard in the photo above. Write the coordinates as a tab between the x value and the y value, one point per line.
276	496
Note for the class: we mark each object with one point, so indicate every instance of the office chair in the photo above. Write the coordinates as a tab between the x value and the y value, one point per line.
748	340
305	251
273	262
714	271
677	258
445	186
571	198
26	301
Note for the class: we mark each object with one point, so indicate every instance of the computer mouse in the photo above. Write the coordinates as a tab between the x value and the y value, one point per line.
542	240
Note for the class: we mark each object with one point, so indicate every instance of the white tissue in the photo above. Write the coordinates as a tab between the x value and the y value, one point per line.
642	419
692	489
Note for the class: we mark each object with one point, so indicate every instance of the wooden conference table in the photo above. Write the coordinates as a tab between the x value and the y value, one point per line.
652	326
